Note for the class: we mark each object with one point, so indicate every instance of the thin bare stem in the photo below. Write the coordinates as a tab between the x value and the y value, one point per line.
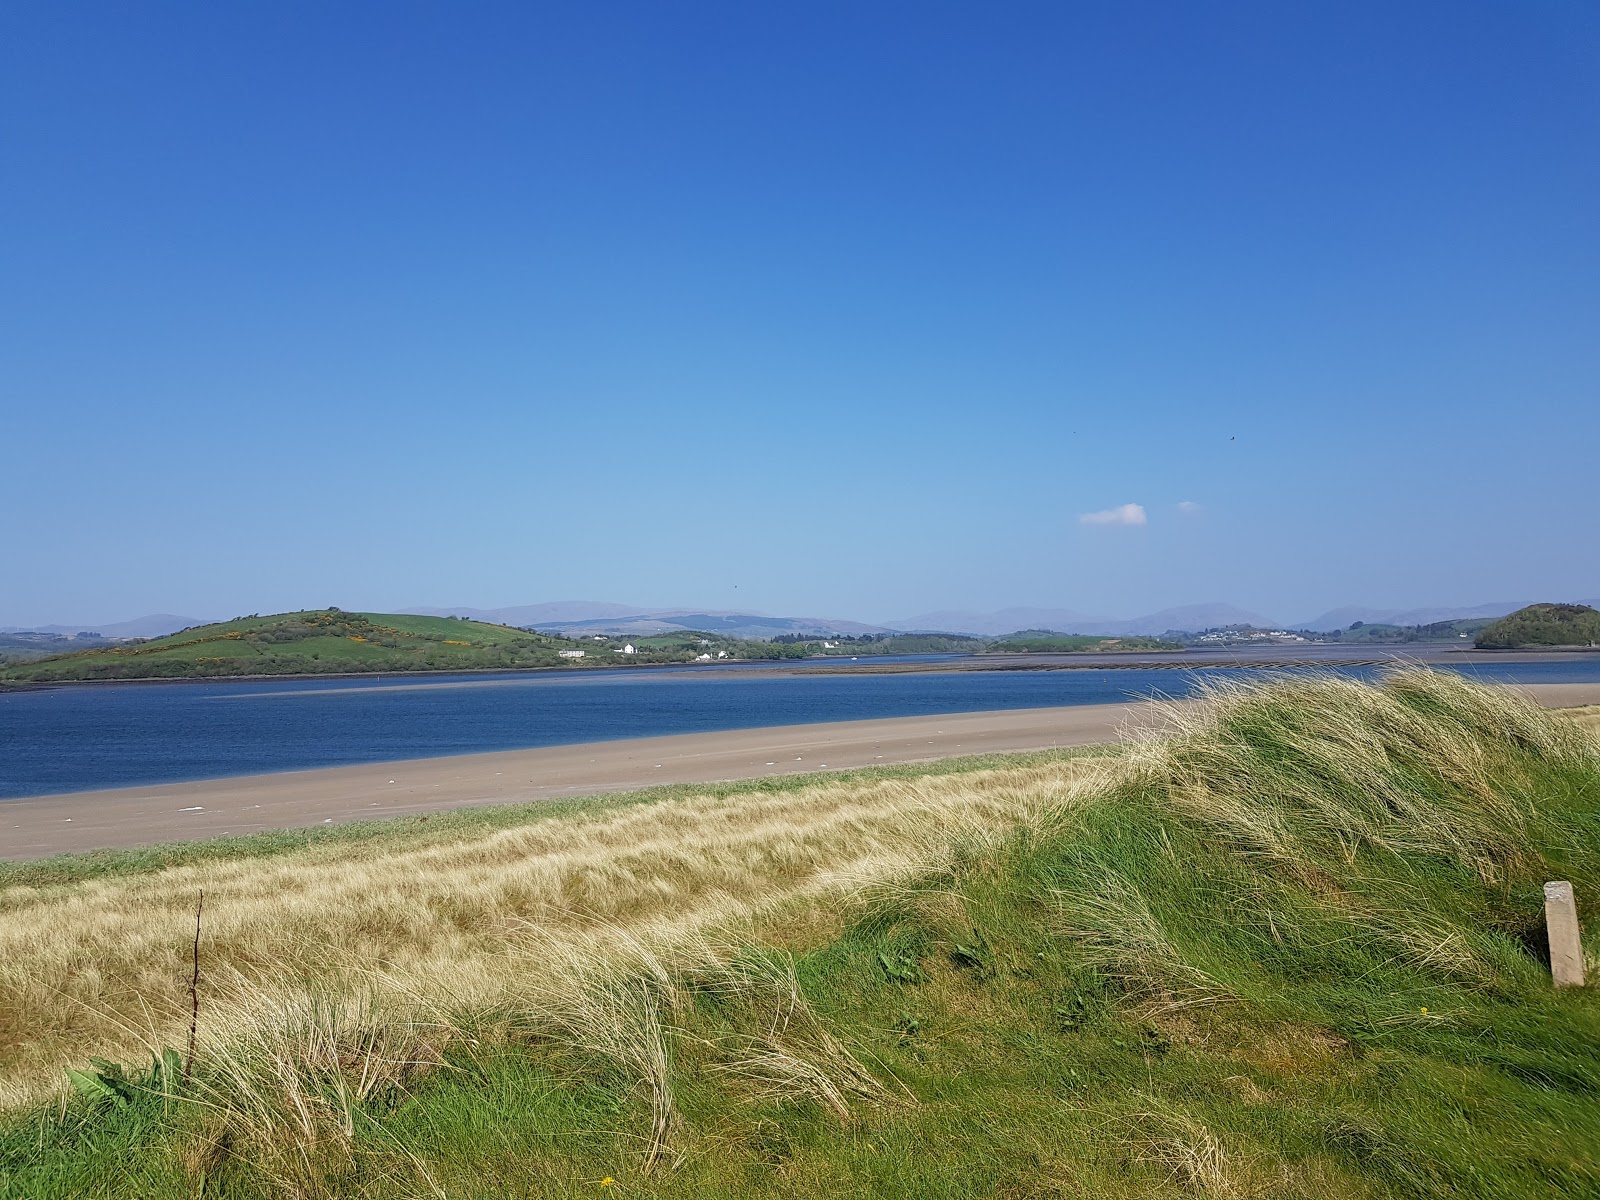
194	991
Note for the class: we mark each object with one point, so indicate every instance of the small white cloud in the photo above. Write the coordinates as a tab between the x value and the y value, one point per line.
1188	506
1123	514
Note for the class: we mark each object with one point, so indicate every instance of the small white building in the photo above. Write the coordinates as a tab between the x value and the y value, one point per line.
569	653
702	658
627	649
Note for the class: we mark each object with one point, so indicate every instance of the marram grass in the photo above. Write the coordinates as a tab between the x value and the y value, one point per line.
1290	949
437	925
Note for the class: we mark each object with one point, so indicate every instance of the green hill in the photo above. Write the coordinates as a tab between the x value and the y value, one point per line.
319	641
1544	625
1438	631
882	644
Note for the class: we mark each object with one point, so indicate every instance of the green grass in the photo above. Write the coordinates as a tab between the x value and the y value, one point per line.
1293	953
690	642
478	632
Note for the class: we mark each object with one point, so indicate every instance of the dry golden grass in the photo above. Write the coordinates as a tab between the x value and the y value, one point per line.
1586	718
1188	1152
386	941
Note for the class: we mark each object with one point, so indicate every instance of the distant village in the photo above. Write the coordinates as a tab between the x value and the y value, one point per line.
1244	635
630	648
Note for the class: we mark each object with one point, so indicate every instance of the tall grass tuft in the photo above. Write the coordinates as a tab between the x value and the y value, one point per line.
1425	763
295	1077
775	1042
1120	936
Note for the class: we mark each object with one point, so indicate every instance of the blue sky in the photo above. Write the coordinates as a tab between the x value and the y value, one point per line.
836	308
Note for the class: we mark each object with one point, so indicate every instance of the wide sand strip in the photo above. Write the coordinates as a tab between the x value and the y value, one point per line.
39	826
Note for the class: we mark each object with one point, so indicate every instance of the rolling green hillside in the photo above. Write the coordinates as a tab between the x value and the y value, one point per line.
1544	625
1439	631
319	641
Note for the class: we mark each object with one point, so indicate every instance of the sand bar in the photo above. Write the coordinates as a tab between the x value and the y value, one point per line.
39	826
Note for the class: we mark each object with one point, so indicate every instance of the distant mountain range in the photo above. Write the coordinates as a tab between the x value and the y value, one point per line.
554	613
1343	618
1063	620
593	616
598	616
601	616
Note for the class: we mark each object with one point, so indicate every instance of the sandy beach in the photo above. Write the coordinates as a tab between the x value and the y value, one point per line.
40	826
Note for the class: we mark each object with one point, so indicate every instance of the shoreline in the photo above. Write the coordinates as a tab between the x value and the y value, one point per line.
1235	658
34	827
123	818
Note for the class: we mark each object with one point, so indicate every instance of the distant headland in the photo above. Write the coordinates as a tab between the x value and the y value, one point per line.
334	642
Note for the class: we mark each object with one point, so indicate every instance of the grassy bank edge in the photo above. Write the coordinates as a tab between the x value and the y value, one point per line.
422	829
425	828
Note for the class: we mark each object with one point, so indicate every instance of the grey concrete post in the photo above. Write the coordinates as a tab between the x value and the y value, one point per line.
1561	922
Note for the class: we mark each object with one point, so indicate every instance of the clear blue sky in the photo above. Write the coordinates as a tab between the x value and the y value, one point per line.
836	308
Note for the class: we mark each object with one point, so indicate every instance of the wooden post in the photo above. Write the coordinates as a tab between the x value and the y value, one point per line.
1561	922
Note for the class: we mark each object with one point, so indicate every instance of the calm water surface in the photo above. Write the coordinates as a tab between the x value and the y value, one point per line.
74	738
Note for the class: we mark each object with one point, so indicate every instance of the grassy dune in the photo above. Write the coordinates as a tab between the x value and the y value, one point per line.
1290	950
100	968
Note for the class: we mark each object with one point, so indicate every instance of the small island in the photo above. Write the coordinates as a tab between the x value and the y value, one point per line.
1546	625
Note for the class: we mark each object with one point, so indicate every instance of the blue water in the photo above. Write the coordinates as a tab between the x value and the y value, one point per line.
74	738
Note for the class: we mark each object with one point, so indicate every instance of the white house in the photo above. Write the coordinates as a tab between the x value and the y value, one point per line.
569	653
627	649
